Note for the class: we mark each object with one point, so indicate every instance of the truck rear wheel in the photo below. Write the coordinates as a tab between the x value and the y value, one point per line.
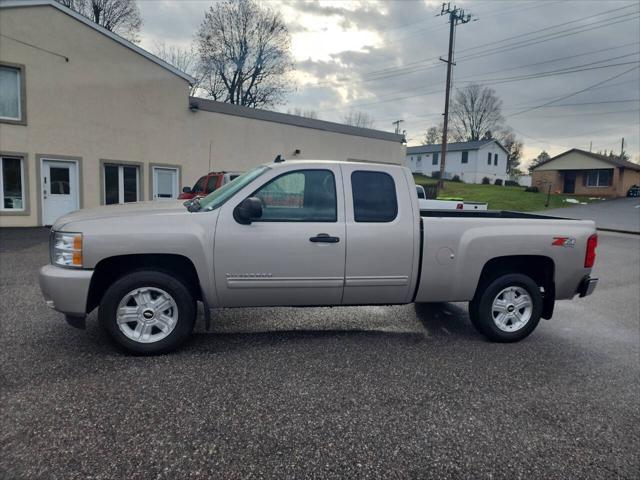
507	308
148	312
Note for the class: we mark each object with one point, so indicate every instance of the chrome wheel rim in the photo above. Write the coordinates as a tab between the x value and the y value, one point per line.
147	315
511	309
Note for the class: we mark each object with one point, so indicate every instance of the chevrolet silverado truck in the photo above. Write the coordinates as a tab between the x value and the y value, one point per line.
309	233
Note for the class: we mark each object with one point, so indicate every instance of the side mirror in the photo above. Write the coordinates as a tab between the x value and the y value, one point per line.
186	190
249	209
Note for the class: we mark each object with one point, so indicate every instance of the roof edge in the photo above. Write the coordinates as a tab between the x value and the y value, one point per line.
113	36
208	105
480	144
618	163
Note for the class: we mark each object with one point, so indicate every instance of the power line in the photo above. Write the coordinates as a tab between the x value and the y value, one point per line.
582	114
390	69
576	69
573	93
410	70
553	73
552	60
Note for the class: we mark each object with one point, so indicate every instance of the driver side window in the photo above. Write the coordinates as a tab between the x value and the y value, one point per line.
300	196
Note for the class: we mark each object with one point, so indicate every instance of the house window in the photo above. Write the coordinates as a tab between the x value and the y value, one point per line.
599	178
11	94
436	157
489	158
12	184
495	159
121	184
465	157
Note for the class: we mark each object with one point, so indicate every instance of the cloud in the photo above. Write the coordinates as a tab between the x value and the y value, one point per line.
382	58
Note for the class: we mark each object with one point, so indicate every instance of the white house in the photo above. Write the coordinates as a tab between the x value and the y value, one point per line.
471	161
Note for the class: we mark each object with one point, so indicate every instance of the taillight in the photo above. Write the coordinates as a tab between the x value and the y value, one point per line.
590	256
459	206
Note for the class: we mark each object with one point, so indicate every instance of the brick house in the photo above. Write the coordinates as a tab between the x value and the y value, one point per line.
585	173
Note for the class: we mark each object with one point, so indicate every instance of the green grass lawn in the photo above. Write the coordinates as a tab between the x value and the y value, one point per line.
501	198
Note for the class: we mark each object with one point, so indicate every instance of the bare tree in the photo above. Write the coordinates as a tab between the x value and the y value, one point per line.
542	157
475	110
185	59
245	50
433	135
306	112
358	119
513	145
118	16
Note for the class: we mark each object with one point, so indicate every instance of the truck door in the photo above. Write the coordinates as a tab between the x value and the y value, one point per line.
295	253
381	235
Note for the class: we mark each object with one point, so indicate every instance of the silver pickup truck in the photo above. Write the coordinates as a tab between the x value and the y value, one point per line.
308	233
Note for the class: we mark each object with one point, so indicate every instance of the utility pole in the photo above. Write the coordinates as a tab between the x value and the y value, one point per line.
590	145
456	16
397	124
622	150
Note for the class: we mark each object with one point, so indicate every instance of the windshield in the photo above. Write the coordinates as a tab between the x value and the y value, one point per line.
224	193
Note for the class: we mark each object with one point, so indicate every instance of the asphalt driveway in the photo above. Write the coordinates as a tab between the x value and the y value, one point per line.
621	214
379	392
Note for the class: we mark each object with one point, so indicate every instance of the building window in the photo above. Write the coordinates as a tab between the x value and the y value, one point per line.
12	183
495	159
121	184
599	178
436	158
11	94
465	157
489	158
374	197
300	196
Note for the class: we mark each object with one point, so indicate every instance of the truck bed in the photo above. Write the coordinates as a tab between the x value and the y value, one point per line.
456	246
487	214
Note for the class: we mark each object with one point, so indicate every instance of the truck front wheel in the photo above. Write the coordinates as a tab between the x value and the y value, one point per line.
507	308
148	312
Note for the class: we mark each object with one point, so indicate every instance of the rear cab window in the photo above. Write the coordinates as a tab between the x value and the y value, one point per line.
374	197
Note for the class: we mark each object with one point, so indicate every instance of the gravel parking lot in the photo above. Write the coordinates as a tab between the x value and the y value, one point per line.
371	392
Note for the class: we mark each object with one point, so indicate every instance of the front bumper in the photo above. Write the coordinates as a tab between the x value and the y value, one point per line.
65	289
587	286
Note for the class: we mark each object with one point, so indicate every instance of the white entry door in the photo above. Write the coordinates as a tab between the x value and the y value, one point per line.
165	183
59	189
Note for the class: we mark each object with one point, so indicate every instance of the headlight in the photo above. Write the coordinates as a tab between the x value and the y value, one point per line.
66	249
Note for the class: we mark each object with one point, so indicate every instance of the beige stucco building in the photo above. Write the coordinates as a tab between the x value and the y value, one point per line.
87	118
585	173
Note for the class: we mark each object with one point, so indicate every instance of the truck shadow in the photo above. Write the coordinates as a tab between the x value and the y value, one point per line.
445	320
409	324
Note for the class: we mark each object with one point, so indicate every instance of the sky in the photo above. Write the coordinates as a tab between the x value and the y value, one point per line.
566	71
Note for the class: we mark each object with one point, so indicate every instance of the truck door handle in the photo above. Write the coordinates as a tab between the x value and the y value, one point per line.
324	238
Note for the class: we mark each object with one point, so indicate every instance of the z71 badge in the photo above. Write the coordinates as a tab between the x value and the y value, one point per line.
564	242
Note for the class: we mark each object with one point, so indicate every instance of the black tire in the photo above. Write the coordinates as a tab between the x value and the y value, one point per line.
180	293
480	308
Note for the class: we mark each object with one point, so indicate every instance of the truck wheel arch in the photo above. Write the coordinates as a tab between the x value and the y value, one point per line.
108	270
539	267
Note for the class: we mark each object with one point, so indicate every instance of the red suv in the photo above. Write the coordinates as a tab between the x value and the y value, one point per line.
207	184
